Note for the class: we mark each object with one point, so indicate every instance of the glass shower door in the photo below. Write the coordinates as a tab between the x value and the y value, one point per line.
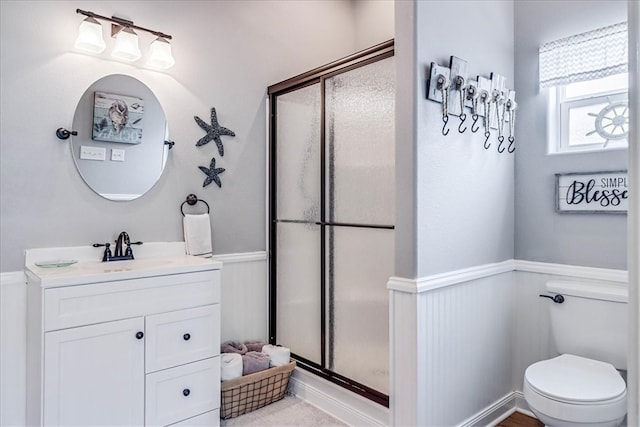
298	238
332	214
359	129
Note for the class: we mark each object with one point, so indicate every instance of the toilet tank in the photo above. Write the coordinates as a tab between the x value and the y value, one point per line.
592	320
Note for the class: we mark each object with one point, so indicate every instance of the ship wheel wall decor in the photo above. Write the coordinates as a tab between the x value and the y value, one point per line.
612	122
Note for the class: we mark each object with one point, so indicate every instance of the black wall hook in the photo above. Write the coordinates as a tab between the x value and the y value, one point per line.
500	148
487	144
170	144
474	126
512	145
463	117
63	133
445	131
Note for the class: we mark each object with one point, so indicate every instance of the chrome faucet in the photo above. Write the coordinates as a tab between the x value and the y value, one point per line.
118	254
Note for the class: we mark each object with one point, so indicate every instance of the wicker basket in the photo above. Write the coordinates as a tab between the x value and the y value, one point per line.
251	392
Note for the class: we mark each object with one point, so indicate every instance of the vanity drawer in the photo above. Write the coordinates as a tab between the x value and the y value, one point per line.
180	337
70	306
183	392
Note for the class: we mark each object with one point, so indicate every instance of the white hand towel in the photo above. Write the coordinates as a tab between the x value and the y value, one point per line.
197	235
230	366
279	355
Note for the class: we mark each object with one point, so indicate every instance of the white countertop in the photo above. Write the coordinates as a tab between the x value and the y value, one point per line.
157	259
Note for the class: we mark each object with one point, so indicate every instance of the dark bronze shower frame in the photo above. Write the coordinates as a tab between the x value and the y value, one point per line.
317	75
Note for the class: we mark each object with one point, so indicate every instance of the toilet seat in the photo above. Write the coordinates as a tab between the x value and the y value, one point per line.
575	379
576	389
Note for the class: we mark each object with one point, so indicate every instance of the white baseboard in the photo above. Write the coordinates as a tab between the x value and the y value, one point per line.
352	409
498	411
494	413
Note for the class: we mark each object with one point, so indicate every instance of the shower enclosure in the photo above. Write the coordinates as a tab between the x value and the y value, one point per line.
331	216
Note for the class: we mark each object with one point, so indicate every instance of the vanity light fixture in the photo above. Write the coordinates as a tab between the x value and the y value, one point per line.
160	54
90	36
126	45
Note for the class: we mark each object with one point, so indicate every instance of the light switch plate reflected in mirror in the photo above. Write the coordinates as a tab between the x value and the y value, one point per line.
117	155
92	153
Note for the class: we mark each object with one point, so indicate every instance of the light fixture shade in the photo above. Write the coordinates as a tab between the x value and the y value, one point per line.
160	54
90	36
126	47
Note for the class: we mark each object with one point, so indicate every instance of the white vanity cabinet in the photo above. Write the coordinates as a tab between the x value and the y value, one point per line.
124	346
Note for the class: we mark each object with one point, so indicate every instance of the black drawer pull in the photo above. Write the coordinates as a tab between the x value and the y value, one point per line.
186	337
186	392
139	335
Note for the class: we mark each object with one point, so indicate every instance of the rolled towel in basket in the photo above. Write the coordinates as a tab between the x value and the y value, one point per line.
279	355
230	366
254	361
233	347
255	345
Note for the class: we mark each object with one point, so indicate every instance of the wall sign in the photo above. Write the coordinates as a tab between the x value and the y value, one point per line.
596	192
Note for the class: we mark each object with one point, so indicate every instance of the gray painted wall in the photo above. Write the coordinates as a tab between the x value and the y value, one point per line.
455	199
226	52
540	233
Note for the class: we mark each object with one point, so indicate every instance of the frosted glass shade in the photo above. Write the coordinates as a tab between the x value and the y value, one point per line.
90	36
126	47
160	54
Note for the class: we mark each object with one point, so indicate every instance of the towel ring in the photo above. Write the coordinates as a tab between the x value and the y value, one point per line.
191	200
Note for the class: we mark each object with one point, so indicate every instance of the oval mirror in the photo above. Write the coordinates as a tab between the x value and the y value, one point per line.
119	149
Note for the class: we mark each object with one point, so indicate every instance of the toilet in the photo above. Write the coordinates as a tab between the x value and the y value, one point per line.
582	386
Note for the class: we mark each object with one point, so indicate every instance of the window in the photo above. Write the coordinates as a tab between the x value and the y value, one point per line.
588	83
593	114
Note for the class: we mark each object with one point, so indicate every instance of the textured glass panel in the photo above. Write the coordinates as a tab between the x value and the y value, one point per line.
298	293
359	264
360	137
297	151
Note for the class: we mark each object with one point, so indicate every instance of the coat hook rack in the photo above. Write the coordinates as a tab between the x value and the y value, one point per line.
488	98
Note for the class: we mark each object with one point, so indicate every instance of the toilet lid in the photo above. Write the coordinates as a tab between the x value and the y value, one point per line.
575	379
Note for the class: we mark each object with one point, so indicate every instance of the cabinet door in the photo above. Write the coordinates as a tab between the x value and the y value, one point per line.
94	375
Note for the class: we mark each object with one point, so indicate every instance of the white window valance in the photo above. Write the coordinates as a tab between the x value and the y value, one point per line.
587	56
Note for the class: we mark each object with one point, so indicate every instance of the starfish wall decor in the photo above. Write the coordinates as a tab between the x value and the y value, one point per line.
214	131
212	173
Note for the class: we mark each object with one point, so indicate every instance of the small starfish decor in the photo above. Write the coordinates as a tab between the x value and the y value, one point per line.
214	131
212	173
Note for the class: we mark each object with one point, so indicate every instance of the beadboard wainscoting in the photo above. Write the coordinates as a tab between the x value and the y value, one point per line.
13	350
244	296
461	341
450	340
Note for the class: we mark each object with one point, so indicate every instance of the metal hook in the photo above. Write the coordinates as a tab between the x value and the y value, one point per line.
512	145
463	117
445	119
487	134
475	127
501	140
